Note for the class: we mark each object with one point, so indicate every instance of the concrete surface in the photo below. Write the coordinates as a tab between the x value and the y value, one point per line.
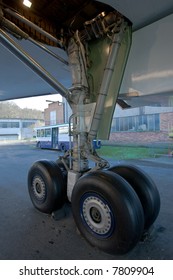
26	233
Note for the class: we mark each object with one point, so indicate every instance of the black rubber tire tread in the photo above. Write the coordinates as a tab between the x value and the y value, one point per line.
55	191
64	174
126	207
145	189
62	167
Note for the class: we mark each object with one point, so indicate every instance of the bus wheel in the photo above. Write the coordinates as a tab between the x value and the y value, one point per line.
63	147
38	145
145	189
107	212
46	186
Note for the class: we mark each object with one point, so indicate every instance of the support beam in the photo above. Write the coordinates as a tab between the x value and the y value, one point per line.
34	26
41	46
13	47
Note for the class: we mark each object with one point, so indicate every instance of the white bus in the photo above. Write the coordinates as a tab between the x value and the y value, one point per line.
53	137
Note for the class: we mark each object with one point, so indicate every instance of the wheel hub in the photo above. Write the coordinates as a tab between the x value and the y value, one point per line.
97	215
39	188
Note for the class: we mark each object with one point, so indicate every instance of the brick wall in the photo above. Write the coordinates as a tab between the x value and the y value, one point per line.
140	137
166	121
55	106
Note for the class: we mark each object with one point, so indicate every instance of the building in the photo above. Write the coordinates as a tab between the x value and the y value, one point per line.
54	114
18	129
57	112
142	125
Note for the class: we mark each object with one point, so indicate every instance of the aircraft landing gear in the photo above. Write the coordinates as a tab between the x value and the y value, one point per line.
111	208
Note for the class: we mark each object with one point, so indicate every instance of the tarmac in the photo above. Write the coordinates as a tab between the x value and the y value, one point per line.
27	234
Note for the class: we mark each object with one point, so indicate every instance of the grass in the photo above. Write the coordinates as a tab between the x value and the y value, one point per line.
123	152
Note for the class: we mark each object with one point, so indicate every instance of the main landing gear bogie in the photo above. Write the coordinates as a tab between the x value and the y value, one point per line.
112	208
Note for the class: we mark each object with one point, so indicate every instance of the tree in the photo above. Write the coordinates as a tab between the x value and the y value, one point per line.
10	110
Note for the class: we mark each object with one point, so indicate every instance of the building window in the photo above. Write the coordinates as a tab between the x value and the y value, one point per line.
136	123
9	124
52	117
27	124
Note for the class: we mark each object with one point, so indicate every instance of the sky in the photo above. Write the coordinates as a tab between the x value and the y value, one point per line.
38	102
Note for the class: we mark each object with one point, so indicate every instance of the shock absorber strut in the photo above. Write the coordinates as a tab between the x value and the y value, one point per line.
93	84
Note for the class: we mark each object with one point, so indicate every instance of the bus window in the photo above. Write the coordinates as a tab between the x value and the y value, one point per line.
42	133
38	133
63	129
47	132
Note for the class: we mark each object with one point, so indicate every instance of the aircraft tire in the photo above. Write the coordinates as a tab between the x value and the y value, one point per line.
63	169
46	186
64	174
107	212
145	189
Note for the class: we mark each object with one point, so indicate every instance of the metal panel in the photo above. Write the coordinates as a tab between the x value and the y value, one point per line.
149	69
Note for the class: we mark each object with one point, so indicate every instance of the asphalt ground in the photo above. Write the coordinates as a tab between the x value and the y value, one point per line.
27	234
